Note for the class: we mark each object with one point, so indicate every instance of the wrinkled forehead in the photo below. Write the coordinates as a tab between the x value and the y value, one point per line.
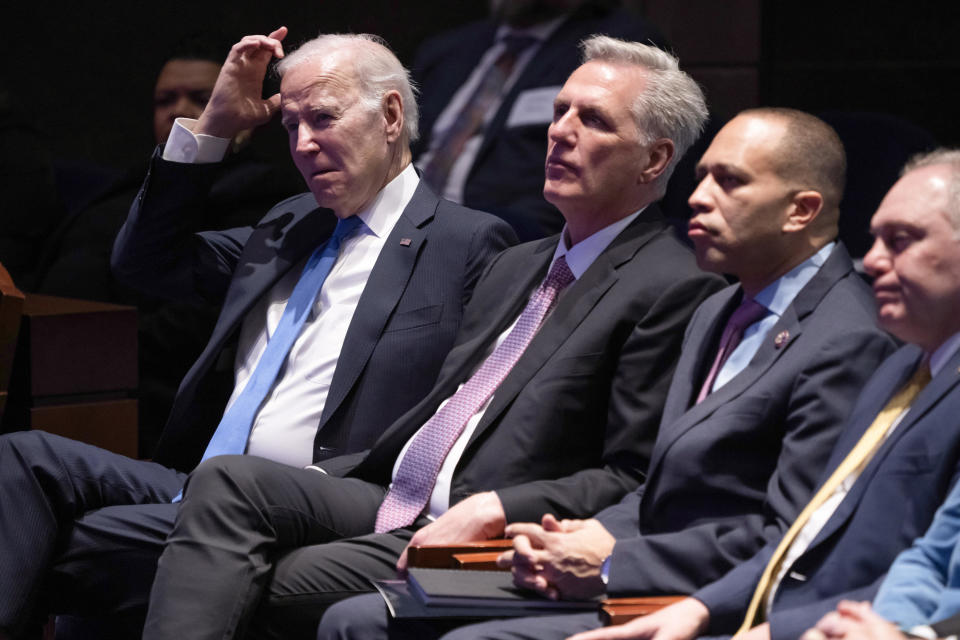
919	198
330	78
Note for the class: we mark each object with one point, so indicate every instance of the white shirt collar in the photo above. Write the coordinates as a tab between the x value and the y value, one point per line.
386	208
581	255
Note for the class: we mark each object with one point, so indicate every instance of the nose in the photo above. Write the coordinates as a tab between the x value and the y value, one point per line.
184	107
305	142
699	200
562	130
877	260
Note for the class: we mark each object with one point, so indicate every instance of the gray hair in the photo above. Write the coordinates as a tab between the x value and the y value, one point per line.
941	156
377	68
670	106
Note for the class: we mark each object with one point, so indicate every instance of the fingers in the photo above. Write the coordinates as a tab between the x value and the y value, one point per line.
278	34
550	523
505	559
402	562
832	625
530	530
527	578
525	554
857	610
628	631
258	47
813	634
272	104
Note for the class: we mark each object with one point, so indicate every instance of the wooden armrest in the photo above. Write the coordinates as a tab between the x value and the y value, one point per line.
440	556
482	561
620	610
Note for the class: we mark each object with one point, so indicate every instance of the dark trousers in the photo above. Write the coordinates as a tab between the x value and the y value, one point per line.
67	507
260	549
366	618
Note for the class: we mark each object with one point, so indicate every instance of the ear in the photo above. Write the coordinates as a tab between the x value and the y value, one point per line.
659	156
393	115
804	209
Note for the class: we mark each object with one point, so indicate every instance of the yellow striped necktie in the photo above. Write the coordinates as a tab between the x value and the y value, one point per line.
858	457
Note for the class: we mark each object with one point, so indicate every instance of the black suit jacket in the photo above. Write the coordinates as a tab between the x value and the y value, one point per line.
507	176
891	503
732	472
570	428
405	322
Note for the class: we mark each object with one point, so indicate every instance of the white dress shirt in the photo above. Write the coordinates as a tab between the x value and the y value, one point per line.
579	257
286	425
457	178
820	517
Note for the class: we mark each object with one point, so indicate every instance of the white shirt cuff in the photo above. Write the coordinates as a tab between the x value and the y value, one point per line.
185	146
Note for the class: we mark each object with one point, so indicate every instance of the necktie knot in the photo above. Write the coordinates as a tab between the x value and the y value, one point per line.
746	314
559	276
345	226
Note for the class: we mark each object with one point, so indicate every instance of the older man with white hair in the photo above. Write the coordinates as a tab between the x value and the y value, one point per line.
549	402
338	309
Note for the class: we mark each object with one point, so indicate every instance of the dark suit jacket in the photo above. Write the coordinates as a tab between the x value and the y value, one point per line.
732	472
891	503
570	429
948	627
507	175
405	322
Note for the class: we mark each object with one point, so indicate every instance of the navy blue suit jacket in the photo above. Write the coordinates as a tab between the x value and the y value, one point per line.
405	322
507	176
731	473
891	503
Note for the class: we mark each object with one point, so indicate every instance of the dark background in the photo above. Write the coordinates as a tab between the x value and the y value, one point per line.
84	71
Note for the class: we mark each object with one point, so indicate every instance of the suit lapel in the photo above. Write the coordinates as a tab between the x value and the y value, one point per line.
573	307
515	296
942	384
790	324
380	296
255	277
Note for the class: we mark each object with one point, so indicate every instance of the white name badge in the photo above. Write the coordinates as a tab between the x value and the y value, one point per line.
534	106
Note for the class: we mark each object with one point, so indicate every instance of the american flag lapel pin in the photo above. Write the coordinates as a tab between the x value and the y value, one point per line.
405	242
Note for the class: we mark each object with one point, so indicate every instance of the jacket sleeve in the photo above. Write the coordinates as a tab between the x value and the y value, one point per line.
157	251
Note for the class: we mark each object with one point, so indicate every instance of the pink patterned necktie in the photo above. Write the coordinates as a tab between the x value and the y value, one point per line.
745	315
420	465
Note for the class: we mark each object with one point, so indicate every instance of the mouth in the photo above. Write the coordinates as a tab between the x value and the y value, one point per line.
556	164
697	230
885	293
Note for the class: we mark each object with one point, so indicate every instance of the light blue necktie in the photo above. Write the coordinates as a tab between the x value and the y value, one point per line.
234	428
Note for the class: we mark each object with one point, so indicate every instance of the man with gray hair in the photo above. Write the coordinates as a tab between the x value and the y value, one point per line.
548	403
338	309
895	463
769	370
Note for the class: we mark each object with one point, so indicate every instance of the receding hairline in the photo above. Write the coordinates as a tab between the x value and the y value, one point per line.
809	151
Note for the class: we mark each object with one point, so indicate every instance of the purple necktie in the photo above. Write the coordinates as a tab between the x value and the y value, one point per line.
420	465
745	315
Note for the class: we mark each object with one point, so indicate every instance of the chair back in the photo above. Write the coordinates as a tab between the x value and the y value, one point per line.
11	309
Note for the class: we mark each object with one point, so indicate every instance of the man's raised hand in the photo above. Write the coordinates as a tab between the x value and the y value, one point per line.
236	102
